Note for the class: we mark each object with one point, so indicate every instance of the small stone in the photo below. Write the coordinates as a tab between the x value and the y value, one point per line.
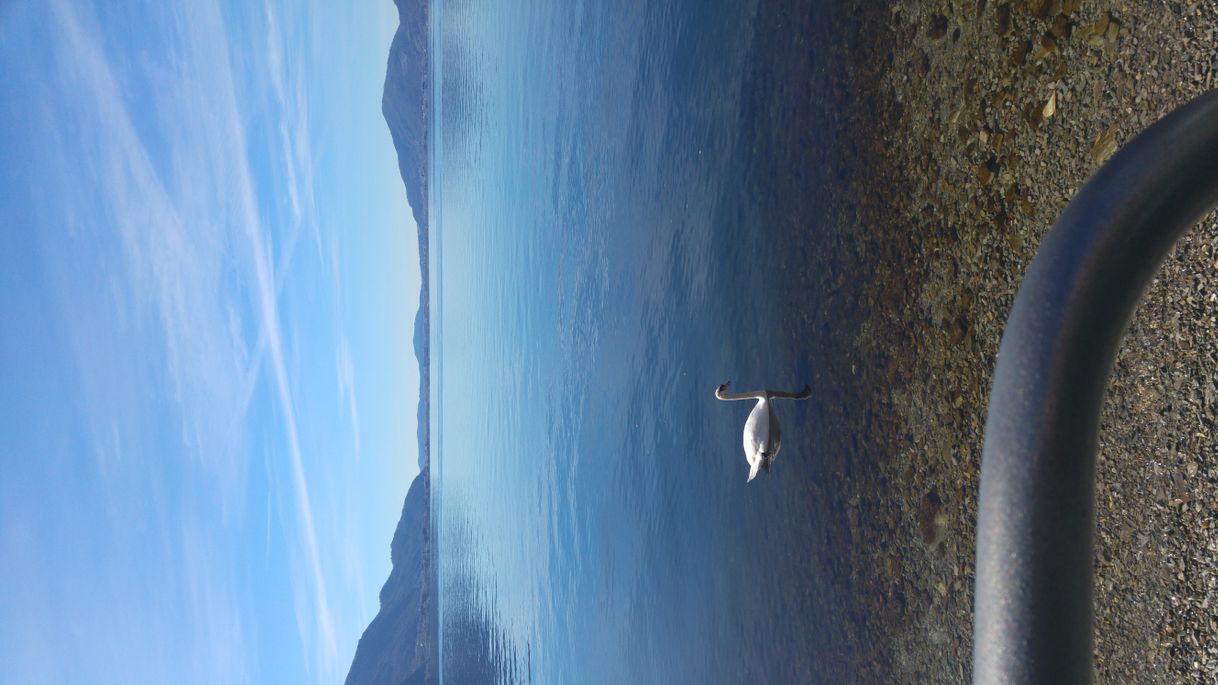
1002	19
1050	107
1104	145
1097	31
986	171
938	27
1060	27
931	522
1020	56
1043	9
1101	24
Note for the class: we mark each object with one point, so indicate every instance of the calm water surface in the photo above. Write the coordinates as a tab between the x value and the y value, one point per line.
600	266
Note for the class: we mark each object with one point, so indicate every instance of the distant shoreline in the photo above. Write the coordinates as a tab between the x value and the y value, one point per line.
400	644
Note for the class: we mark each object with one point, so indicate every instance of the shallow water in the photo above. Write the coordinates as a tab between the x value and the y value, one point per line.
603	258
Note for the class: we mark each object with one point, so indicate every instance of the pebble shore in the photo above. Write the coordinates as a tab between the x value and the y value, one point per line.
961	130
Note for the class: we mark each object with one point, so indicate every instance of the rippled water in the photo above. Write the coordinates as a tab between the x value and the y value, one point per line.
600	266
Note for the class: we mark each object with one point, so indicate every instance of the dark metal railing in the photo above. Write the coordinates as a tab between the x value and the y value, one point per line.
1035	530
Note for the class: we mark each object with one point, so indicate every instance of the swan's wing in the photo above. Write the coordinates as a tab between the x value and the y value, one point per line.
756	436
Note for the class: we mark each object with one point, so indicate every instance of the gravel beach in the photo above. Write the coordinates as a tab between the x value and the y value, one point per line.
961	131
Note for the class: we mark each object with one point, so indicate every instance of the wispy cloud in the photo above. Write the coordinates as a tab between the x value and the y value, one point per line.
325	639
294	133
177	184
346	388
175	260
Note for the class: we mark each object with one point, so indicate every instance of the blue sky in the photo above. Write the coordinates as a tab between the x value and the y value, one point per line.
208	280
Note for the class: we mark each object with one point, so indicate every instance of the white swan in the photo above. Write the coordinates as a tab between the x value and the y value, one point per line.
762	436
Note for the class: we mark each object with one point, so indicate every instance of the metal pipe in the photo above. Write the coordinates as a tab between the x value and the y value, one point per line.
1035	529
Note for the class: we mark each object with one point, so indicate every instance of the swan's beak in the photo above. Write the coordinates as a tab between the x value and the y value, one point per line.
753	470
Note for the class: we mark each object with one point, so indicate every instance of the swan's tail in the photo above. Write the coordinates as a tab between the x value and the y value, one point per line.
753	469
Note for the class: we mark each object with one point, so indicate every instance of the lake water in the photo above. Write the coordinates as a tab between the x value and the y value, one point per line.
605	253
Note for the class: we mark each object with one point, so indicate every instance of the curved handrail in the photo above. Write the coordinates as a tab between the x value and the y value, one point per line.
1035	528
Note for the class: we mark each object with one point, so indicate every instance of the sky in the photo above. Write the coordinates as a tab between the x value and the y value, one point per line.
208	282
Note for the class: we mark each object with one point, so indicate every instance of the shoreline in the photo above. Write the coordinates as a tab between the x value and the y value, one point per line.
960	132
